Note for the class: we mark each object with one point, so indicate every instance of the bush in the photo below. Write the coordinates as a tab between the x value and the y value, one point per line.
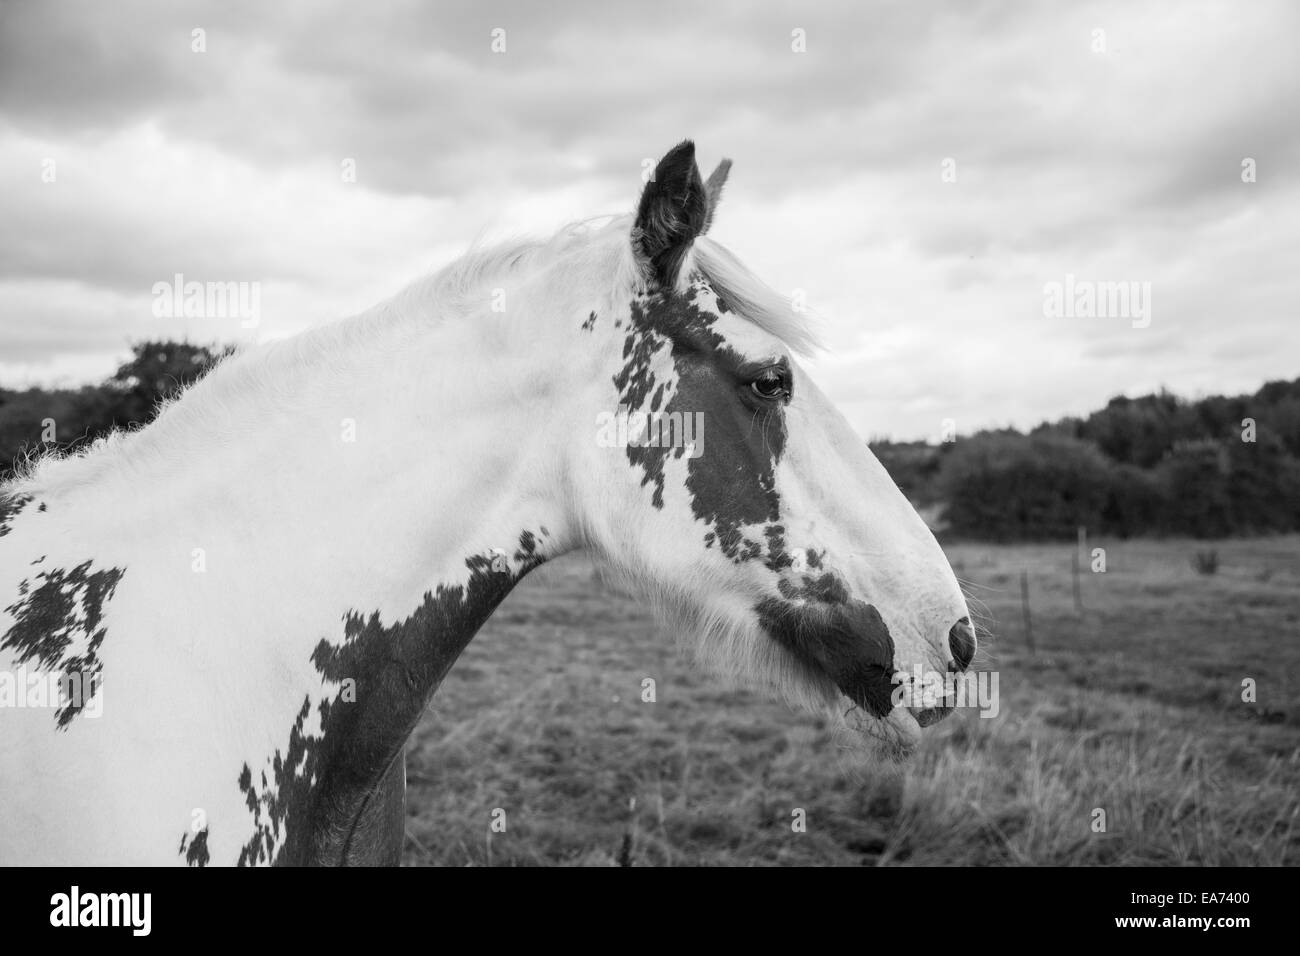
1005	486
1195	490
914	466
1133	504
1263	485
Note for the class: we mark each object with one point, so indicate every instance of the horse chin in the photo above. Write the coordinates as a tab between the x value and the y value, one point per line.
890	741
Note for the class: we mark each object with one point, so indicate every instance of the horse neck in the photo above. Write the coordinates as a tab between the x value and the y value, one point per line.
451	457
365	464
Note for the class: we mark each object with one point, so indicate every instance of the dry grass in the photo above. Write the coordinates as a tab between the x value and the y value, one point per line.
1133	707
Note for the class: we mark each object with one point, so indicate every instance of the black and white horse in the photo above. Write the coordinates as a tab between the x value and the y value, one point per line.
218	632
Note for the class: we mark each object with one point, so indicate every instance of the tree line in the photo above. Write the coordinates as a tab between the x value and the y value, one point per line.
1153	465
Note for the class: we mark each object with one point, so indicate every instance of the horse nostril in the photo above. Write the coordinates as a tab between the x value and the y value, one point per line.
961	641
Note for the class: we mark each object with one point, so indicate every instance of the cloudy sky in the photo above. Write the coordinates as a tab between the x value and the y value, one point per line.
921	172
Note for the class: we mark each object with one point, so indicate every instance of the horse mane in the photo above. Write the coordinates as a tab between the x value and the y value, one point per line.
593	253
752	298
603	243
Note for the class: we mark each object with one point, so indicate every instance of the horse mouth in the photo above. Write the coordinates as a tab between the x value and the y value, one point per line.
848	645
844	640
891	739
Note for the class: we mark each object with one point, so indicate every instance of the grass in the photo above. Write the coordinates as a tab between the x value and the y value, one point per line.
1132	707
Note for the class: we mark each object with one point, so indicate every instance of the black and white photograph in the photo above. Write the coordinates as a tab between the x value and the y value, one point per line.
444	434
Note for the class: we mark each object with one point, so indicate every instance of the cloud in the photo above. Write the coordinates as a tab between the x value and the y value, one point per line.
1113	165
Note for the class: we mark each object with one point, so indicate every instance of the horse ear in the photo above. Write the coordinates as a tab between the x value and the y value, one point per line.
674	209
713	188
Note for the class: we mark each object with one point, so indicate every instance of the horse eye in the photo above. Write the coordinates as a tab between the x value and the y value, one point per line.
770	385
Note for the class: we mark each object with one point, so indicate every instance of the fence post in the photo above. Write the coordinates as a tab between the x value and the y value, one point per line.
1079	552
1024	609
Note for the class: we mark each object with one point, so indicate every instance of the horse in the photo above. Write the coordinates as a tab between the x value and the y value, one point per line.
239	612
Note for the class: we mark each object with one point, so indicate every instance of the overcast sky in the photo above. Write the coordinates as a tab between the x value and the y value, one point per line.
919	171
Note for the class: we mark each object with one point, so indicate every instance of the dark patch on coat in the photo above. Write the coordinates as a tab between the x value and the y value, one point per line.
46	624
635	382
834	635
825	589
10	506
337	797
196	853
778	559
733	484
590	323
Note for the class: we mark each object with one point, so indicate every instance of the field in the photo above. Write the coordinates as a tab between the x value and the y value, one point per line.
1133	706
